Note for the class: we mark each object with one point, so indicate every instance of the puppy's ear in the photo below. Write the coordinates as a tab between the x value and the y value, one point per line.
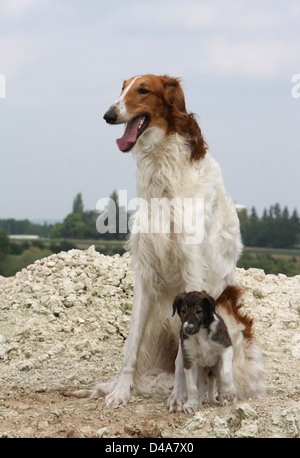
211	301
178	303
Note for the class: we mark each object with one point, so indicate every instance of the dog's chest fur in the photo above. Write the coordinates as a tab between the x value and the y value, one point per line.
165	171
205	347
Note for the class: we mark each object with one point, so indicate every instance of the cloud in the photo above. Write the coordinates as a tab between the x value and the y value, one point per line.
16	8
260	58
171	15
236	39
17	51
193	16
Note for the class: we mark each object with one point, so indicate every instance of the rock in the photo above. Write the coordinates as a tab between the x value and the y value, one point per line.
257	293
2	346
103	432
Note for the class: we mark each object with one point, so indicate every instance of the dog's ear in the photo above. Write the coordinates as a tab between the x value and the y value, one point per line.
211	301
179	120
173	93
178	303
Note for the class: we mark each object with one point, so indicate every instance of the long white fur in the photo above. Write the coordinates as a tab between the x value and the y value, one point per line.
165	265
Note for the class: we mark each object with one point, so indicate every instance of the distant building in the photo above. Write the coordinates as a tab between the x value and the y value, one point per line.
239	207
24	237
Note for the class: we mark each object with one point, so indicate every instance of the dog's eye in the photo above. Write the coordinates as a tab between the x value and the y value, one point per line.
198	311
142	90
183	310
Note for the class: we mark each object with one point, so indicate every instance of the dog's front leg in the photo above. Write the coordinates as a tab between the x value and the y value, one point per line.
191	376
179	393
226	389
142	301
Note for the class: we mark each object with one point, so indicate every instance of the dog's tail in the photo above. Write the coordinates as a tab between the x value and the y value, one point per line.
156	381
248	367
99	391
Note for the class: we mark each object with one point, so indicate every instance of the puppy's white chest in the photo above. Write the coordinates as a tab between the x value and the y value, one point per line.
201	350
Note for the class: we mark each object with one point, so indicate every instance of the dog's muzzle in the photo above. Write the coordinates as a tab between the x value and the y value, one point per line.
189	328
111	116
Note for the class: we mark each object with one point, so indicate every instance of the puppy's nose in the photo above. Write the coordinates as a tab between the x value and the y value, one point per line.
188	328
111	116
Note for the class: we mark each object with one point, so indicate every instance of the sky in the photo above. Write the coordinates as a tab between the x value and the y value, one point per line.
63	63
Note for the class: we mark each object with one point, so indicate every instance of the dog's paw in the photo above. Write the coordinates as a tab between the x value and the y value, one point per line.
120	395
190	407
176	401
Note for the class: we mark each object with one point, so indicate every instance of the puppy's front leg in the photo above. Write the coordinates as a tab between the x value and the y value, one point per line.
142	301
191	375
178	395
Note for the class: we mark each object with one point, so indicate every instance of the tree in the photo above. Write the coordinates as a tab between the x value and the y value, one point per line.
4	244
78	204
285	213
73	226
253	215
277	210
295	216
4	250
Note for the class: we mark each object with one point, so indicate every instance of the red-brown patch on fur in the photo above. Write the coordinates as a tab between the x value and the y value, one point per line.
229	300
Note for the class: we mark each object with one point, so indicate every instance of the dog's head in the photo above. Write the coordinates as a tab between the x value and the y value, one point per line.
149	101
196	309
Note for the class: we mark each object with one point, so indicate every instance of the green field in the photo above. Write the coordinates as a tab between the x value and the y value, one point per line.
275	252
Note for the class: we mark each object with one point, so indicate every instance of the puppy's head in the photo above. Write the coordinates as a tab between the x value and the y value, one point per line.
195	309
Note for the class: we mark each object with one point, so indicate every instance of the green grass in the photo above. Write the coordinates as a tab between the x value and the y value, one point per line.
274	251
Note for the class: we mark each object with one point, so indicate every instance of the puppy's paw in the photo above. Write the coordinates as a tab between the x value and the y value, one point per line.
176	401
190	407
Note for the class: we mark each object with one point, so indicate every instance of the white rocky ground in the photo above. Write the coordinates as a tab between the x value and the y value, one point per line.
63	322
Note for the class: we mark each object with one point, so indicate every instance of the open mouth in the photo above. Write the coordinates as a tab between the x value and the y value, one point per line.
133	131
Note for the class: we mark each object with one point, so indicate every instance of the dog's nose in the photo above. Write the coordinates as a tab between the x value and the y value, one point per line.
188	328
111	116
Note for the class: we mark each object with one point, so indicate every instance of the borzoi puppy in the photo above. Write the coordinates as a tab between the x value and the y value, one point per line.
206	349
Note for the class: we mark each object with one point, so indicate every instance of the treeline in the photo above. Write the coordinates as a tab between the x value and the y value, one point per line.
275	229
78	224
25	227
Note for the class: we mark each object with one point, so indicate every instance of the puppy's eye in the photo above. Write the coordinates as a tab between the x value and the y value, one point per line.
183	310
142	90
198	311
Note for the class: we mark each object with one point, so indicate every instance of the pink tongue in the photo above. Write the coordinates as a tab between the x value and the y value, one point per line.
130	135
